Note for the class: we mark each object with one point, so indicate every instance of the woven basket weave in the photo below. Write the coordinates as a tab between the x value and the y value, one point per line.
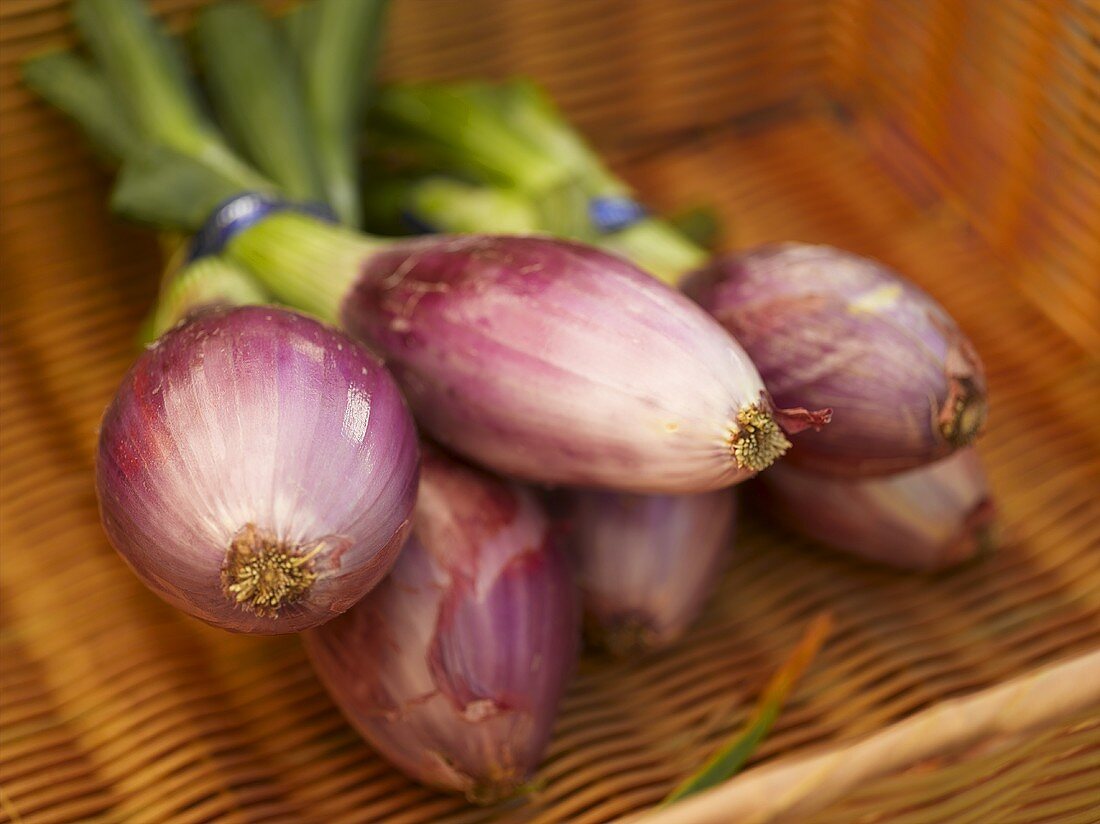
956	140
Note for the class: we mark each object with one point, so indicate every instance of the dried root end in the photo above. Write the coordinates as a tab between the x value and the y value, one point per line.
491	791
963	414
981	526
263	575
498	782
758	441
627	636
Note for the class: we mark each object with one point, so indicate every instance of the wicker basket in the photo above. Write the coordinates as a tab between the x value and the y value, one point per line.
957	140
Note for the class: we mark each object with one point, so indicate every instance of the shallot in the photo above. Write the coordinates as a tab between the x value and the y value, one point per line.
647	563
827	328
924	519
257	469
454	666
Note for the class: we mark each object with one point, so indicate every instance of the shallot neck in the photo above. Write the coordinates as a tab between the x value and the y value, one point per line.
306	263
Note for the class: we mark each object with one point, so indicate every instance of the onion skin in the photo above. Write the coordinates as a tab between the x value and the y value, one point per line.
454	666
257	469
829	329
555	362
925	519
646	564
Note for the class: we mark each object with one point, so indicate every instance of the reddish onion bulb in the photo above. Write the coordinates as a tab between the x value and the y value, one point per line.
454	666
924	519
557	362
539	358
257	469
647	563
829	329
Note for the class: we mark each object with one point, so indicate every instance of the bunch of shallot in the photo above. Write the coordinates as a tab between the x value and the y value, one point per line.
265	467
826	329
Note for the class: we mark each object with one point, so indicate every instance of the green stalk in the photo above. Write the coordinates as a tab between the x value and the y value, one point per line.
338	42
155	184
512	135
304	262
506	133
168	189
299	27
455	207
701	224
205	283
729	760
148	72
450	205
658	248
258	95
532	114
80	90
457	123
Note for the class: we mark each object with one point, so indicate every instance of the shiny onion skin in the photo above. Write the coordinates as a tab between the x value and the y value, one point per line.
454	666
924	519
646	564
257	469
829	329
558	363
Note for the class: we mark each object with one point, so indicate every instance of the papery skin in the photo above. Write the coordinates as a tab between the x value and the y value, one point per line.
454	666
646	564
555	362
924	519
257	416
827	328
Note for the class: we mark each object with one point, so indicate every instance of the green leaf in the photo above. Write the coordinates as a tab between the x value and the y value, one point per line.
528	109
453	206
80	90
148	73
258	95
702	225
728	761
166	188
338	42
299	27
455	122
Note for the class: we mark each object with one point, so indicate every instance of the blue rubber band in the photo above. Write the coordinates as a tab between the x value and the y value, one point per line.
613	214
239	212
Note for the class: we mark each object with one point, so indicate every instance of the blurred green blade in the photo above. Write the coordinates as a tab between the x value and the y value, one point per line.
150	76
728	761
337	42
453	206
78	89
528	109
702	225
657	247
453	121
147	66
300	30
166	188
511	134
258	95
506	133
